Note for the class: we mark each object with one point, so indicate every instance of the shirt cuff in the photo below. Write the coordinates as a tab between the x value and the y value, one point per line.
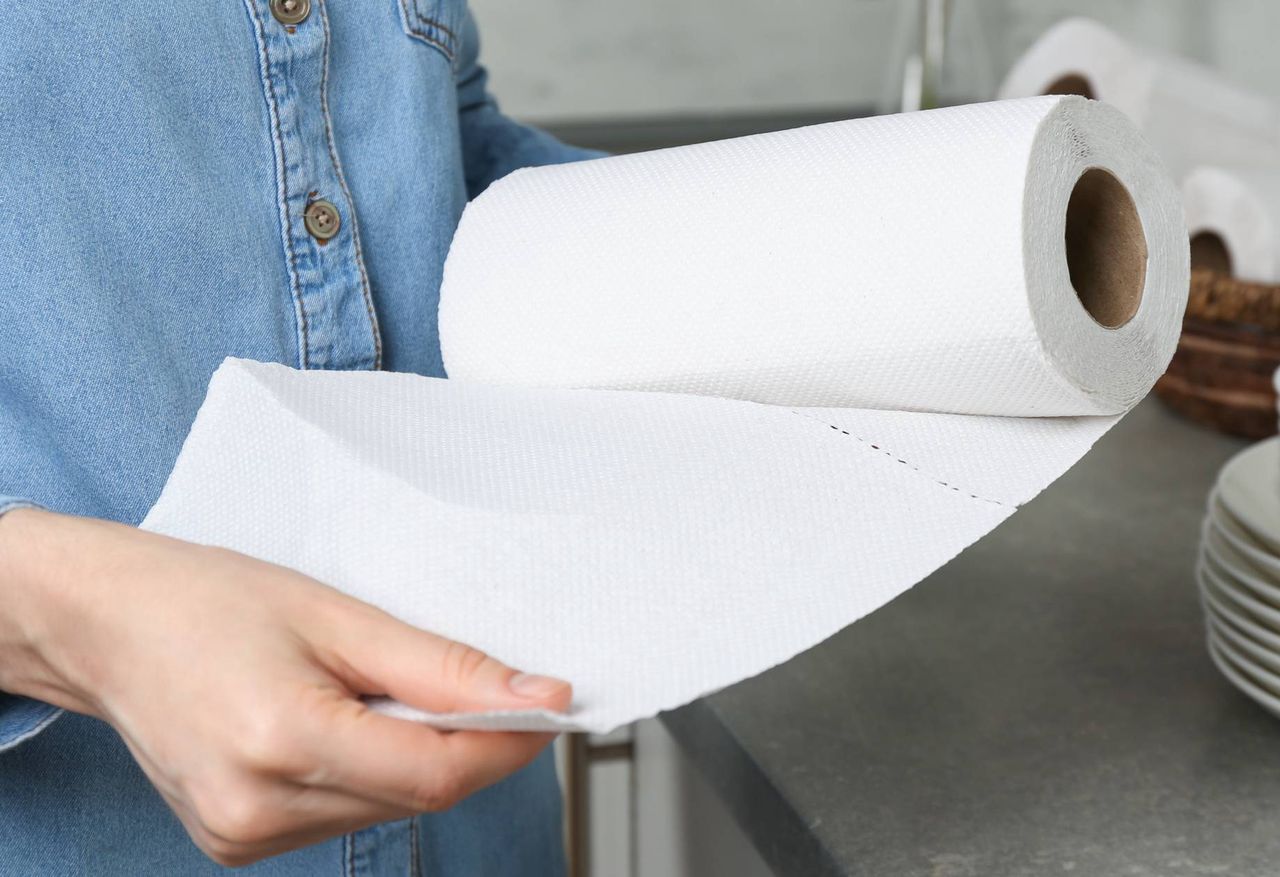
9	503
21	718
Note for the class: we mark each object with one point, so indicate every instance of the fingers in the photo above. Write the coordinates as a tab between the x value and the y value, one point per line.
316	761
486	757
239	815
377	654
278	819
346	768
410	765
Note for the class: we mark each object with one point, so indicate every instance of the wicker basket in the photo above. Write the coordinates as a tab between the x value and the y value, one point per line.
1221	374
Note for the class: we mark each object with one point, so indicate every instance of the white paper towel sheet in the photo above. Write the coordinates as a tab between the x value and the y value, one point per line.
1192	114
654	546
648	547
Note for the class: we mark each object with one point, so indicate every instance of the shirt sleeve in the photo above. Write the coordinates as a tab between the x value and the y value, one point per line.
492	144
21	718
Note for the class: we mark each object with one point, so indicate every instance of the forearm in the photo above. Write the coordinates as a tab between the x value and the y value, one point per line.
492	144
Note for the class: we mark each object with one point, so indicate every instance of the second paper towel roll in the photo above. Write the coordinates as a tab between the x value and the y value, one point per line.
1011	258
1233	217
1191	113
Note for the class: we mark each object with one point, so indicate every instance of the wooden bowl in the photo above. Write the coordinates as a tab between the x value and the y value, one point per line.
1221	374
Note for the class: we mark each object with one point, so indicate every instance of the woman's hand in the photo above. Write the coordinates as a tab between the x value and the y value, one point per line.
236	684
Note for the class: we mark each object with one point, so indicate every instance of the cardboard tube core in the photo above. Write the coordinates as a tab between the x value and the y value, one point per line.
1106	248
1209	250
1071	83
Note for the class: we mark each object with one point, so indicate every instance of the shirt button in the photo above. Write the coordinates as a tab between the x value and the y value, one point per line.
291	11
322	220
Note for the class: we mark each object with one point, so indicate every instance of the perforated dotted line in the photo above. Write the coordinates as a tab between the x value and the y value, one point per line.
892	456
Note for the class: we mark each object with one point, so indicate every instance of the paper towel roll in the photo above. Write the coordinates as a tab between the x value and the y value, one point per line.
1190	113
1007	258
651	547
1233	217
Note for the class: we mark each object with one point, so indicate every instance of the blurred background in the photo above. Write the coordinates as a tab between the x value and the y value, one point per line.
622	75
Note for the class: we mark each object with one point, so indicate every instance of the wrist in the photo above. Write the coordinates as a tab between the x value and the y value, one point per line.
36	590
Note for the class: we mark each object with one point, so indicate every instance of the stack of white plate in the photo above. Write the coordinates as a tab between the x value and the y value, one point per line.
1275	382
1239	572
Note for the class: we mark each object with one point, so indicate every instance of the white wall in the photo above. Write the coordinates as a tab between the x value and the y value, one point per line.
569	60
585	58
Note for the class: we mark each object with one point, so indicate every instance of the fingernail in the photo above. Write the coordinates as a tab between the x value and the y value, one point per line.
528	685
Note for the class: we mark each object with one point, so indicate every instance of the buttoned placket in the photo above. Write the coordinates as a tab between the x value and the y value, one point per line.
337	326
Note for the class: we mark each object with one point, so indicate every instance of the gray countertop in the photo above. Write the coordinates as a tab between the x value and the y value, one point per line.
1041	705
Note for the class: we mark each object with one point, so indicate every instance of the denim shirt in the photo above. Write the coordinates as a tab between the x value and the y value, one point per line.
159	165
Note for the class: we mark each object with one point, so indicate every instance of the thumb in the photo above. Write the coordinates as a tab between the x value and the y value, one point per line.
376	654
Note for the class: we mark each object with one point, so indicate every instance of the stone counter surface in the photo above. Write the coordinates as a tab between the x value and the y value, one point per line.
1042	705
